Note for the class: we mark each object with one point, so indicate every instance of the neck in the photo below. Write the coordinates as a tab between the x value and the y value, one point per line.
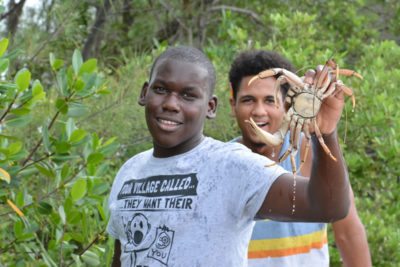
165	152
262	149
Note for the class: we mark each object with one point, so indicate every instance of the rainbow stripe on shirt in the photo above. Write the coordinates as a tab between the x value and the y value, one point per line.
279	239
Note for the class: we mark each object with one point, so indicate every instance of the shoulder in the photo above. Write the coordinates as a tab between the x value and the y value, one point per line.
229	148
134	164
234	155
235	140
134	160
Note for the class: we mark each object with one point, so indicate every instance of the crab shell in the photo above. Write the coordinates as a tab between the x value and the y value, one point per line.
306	105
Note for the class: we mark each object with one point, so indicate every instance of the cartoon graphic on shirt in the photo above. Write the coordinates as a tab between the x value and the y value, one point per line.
136	231
153	194
162	246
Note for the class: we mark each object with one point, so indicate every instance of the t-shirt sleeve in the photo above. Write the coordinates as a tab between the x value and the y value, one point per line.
253	180
111	226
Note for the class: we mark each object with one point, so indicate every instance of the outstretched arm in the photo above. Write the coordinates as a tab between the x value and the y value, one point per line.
349	234
323	197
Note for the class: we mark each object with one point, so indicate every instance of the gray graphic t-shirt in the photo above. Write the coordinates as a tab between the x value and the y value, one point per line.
193	209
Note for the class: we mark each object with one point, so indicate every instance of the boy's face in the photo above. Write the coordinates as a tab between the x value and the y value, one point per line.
257	101
177	101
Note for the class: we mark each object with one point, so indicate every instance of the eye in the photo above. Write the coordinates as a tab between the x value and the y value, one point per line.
247	100
188	95
159	89
270	100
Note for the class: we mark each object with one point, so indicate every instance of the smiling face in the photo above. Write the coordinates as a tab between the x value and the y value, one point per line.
177	101
257	101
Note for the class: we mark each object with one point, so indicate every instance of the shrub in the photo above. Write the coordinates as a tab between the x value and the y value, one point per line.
54	173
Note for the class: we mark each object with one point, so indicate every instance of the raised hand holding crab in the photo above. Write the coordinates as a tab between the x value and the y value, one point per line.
313	103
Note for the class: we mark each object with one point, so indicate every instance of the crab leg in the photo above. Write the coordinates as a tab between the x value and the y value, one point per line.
296	142
293	126
291	78
346	72
281	80
331	63
322	142
285	125
332	87
282	158
325	85
283	131
347	91
308	137
321	76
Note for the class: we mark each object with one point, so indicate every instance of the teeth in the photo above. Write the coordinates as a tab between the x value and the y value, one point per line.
168	122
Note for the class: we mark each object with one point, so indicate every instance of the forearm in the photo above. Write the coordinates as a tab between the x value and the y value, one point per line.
349	234
117	254
354	248
328	190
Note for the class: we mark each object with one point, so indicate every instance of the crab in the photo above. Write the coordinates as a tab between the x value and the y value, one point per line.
302	103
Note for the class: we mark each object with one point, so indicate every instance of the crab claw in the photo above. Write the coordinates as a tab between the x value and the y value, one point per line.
253	79
264	74
265	137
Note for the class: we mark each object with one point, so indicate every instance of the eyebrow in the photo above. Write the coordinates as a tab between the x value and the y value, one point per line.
164	83
159	81
246	96
253	97
190	88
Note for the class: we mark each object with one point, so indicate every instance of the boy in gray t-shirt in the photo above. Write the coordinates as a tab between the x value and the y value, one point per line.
191	200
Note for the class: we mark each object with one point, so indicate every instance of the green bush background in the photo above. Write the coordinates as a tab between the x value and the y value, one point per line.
67	227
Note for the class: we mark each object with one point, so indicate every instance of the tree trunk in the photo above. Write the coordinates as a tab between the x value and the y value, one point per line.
95	37
14	13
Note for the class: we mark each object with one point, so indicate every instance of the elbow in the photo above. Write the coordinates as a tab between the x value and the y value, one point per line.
340	212
332	214
341	215
333	209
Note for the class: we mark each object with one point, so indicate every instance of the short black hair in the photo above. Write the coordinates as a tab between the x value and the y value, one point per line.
191	55
252	62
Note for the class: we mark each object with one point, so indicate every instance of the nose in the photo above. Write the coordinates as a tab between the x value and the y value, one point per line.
171	102
259	110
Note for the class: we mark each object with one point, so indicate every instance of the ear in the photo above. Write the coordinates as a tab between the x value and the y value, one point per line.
143	93
212	107
233	106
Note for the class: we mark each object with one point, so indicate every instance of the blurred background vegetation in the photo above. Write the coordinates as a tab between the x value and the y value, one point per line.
71	78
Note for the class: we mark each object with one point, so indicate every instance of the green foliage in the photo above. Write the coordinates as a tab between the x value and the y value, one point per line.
57	178
372	148
64	183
